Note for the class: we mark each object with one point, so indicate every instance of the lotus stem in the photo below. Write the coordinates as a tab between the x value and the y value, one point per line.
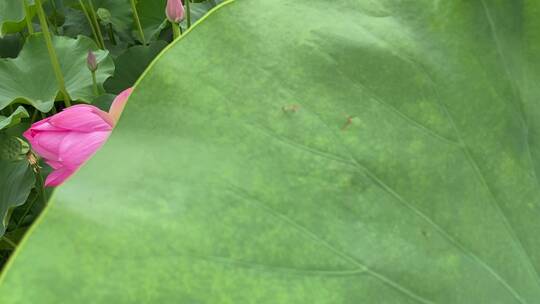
111	34
96	23
30	205
9	242
137	21
176	30
85	11
188	13
41	185
34	116
54	22
52	53
94	83
28	17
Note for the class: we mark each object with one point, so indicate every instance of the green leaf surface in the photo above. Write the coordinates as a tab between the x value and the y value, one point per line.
16	181
300	152
12	16
29	78
14	118
10	46
152	16
131	64
75	24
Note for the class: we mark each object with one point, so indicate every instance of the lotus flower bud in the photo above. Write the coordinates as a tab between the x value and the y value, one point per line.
68	139
91	61
174	10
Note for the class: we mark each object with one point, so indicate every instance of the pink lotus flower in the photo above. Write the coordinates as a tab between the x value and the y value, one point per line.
68	139
174	11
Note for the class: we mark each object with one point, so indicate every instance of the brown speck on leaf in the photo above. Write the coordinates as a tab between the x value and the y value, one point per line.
347	123
290	108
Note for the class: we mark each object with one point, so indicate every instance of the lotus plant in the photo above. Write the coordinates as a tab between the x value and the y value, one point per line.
68	139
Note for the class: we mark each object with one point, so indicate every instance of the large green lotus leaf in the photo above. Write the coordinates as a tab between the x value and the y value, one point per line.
29	78
300	152
12	16
16	181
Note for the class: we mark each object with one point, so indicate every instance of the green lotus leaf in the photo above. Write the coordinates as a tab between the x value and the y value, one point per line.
16	181
307	152
10	46
14	118
29	78
12	16
131	64
152	16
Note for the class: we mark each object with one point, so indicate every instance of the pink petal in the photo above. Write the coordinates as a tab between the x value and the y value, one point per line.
58	176
42	151
119	103
54	164
174	10
77	147
29	135
49	141
83	118
42	125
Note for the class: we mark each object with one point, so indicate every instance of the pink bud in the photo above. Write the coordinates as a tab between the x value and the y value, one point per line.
68	139
91	61
174	10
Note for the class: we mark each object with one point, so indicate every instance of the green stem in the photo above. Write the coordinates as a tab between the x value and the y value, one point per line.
111	34
54	22
96	23
26	211
9	242
188	14
85	11
41	186
28	17
34	116
137	21
176	30
94	82
52	53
